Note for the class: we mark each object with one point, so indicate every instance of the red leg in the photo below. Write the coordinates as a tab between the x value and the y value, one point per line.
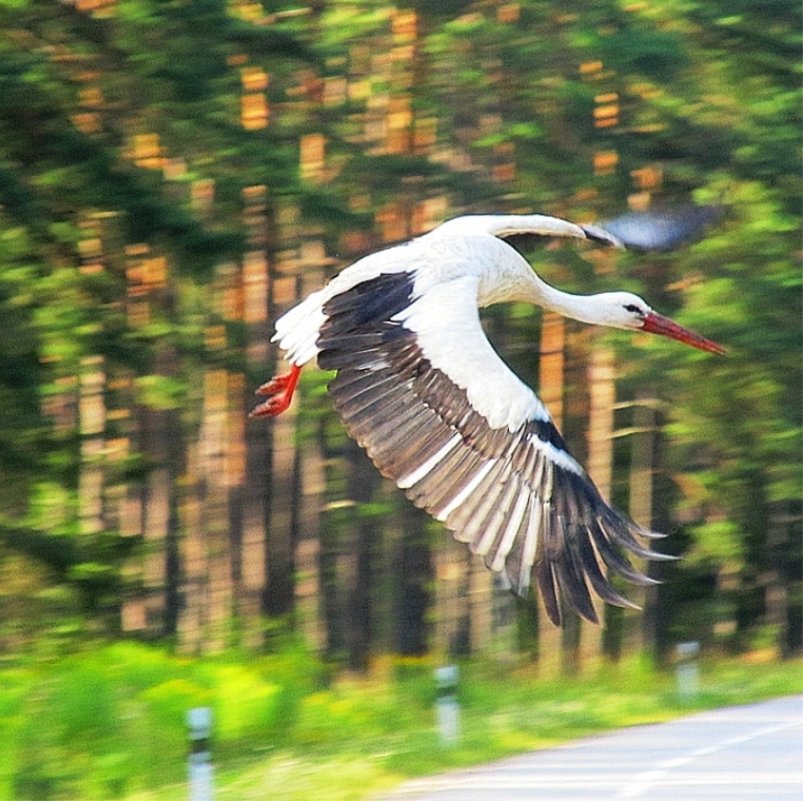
279	391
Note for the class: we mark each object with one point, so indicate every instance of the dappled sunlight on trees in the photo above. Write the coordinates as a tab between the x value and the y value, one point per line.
174	175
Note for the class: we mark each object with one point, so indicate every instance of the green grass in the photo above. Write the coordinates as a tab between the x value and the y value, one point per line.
110	723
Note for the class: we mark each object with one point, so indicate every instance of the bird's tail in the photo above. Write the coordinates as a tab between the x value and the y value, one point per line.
296	331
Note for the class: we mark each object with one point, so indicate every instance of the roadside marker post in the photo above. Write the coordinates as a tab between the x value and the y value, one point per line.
199	767
447	708
687	670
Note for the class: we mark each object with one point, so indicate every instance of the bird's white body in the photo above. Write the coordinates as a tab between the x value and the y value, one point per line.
419	386
459	267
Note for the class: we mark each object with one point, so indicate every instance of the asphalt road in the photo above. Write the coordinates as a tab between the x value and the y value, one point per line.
746	753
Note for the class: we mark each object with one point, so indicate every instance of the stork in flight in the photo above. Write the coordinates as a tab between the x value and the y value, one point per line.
420	388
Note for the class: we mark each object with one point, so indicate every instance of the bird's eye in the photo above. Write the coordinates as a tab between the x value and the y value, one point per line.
633	309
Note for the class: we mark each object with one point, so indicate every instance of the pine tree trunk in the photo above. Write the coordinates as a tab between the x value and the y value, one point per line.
480	605
216	513
451	578
550	388
413	571
192	623
92	425
258	434
641	510
363	483
602	398
278	597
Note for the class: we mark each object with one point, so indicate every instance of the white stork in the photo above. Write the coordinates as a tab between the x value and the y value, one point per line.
420	388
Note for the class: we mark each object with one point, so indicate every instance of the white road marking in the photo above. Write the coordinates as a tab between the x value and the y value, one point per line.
644	782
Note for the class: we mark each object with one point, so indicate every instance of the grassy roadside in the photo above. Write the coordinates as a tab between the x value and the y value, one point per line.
502	715
379	732
115	720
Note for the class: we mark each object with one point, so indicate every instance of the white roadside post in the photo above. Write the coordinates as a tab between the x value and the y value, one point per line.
687	671
199	769
446	705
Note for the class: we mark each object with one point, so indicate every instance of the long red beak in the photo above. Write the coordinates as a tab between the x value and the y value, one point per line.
658	324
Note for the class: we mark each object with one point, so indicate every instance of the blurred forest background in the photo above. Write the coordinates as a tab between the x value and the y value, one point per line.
173	175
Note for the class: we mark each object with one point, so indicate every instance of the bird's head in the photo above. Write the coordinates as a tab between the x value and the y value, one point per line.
628	311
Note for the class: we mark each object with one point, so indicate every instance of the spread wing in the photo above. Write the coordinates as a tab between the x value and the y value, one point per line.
419	386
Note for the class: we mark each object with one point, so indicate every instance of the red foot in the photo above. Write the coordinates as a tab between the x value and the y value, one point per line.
275	385
280	391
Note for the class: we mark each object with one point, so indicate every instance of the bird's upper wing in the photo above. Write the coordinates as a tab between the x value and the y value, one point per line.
419	386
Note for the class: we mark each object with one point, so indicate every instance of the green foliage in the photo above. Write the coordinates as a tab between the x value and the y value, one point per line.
111	722
245	704
160	392
101	724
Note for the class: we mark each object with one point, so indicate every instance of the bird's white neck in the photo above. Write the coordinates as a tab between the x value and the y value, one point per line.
506	276
591	309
